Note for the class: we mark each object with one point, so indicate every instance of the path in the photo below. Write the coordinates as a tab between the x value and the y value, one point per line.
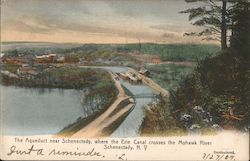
95	128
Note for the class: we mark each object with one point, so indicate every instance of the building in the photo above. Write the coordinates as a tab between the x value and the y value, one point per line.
132	78
144	72
156	59
49	58
52	55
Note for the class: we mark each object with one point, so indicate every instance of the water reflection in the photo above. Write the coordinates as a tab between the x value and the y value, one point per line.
131	125
29	111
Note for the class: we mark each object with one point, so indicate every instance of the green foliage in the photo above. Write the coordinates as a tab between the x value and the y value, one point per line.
171	52
81	122
102	93
220	17
10	67
168	76
66	77
158	120
219	85
33	51
174	52
167	52
98	98
209	15
71	58
240	39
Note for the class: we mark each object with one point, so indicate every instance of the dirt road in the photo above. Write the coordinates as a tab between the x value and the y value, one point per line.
95	128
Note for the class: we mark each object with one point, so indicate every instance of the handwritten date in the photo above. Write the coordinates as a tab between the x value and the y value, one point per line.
218	157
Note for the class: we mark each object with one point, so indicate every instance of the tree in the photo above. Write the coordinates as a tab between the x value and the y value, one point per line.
217	17
212	16
224	25
71	58
240	26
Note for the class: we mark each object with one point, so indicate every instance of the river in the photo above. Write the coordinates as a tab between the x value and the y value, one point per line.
31	111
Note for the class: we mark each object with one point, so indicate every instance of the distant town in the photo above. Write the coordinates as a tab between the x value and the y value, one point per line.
29	66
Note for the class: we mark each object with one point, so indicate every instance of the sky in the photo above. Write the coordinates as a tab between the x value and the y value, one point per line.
96	21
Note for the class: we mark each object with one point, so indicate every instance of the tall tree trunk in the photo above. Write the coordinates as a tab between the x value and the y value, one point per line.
224	25
232	37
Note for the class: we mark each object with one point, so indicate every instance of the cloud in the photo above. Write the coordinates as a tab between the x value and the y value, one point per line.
147	20
34	24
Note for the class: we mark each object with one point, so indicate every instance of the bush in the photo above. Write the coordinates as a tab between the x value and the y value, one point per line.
220	86
214	96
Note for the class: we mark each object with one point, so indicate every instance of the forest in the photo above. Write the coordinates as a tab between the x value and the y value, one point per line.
215	95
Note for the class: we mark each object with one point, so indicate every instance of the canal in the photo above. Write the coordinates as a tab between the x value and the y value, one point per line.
130	126
33	111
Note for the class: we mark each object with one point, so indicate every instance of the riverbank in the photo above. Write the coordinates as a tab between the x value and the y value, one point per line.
66	77
104	122
96	84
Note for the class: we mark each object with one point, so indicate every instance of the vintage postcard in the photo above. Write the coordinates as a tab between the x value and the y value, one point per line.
125	80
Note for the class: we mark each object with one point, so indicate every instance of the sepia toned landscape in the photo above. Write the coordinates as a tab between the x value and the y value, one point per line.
111	69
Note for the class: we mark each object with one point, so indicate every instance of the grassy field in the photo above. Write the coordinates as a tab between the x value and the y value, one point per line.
169	75
174	52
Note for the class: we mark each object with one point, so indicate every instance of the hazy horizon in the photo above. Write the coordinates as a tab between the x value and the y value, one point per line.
96	21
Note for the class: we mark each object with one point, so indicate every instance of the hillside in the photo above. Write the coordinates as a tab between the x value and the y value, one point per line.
215	96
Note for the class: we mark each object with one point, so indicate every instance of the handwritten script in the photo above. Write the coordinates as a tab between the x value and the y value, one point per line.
41	151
